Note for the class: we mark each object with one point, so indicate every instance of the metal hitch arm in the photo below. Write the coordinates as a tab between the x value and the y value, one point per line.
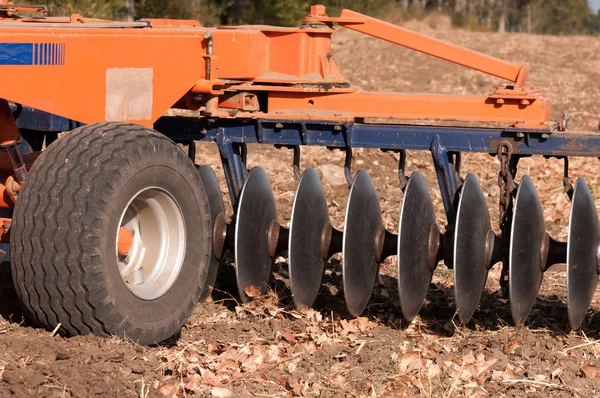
428	45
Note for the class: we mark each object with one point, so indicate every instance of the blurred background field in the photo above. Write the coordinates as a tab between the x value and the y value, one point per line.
531	16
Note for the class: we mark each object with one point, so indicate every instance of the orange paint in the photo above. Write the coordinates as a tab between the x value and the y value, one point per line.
428	45
5	199
102	70
125	241
5	224
8	129
411	107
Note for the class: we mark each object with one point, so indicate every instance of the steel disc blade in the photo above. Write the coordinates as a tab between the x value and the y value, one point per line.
470	259
310	215
215	200
582	249
359	258
525	257
256	211
417	219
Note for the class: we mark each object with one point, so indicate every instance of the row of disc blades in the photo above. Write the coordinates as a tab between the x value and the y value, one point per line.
364	243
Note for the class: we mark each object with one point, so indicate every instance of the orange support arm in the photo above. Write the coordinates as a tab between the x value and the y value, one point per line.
412	107
429	45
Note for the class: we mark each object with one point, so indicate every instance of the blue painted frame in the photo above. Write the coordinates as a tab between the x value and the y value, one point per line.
444	143
34	119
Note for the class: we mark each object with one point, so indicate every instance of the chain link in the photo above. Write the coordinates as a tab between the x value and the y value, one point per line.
508	169
505	180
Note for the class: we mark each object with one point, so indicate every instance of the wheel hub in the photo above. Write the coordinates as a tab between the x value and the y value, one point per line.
151	243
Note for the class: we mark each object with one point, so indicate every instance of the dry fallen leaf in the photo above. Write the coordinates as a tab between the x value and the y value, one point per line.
192	382
409	362
511	347
556	373
468	372
210	378
260	376
483	366
252	291
273	353
169	388
285	383
364	324
229	364
469	358
590	371
310	347
340	380
508	374
221	392
479	394
433	371
292	366
288	336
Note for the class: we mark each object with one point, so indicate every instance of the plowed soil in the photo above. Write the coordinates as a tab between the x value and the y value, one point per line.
267	349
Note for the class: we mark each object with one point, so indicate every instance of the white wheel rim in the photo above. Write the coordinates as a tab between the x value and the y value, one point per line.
154	261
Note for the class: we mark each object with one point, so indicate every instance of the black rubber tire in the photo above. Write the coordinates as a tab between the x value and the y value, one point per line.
63	251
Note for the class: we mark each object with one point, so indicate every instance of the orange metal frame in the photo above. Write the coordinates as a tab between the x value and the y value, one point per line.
92	70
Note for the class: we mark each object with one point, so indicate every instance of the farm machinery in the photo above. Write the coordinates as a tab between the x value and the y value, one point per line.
113	229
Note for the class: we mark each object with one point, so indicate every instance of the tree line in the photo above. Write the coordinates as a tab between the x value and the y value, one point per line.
533	16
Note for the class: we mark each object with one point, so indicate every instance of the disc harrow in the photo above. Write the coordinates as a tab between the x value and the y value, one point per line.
247	87
470	246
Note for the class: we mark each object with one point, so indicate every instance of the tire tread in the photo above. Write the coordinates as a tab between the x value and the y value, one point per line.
52	244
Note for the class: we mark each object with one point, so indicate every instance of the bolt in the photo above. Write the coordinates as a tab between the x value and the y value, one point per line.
318	10
326	235
219	235
520	135
279	126
337	128
273	237
545	136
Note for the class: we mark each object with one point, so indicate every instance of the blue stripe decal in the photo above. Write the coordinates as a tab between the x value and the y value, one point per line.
16	53
32	54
